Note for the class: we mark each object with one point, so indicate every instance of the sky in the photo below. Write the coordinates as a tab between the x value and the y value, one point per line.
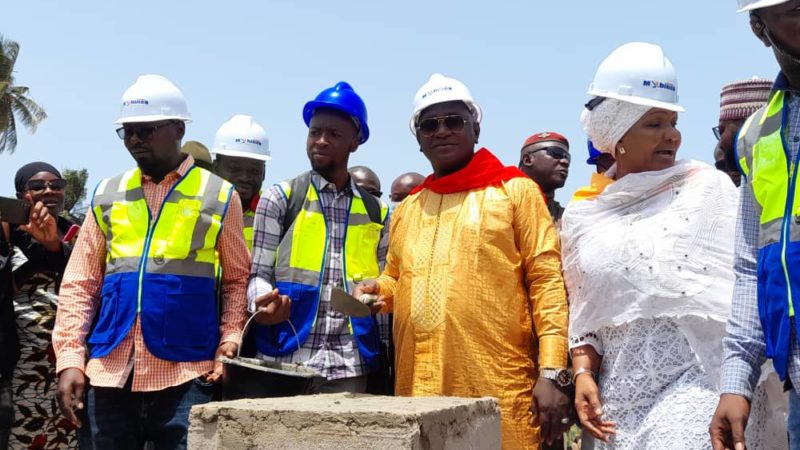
528	64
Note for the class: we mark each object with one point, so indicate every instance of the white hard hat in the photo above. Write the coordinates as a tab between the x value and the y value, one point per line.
241	136
750	5
638	73
152	98
441	89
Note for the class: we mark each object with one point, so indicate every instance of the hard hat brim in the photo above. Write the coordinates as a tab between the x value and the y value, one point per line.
313	105
240	154
640	101
150	118
761	4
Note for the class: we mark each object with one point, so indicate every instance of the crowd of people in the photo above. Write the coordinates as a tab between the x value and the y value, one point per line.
644	311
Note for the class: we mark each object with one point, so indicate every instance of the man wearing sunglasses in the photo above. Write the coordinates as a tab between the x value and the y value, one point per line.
545	158
473	276
737	102
138	329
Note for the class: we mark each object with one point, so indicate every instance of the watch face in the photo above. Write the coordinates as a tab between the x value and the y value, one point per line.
563	378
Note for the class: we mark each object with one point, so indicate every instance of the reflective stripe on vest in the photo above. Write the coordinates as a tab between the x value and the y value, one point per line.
162	267
299	266
765	162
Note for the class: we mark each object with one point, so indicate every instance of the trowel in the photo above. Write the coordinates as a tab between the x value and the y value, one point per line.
345	303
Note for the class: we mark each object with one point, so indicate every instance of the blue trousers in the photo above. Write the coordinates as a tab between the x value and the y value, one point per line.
793	423
121	419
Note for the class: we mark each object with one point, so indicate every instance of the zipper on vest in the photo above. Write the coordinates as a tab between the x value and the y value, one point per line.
324	258
143	260
151	228
787	214
344	258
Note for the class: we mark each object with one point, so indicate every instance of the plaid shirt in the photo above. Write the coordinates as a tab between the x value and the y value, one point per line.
329	349
744	345
79	302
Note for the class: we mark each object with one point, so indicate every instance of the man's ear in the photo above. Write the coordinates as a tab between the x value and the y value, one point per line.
526	161
180	130
759	29
476	127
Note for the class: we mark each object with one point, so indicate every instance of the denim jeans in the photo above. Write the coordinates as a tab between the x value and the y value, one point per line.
120	419
793	424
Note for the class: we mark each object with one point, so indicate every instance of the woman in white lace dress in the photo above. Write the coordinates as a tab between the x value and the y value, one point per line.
648	266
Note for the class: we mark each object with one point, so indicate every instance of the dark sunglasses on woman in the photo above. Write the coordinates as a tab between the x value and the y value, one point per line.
41	185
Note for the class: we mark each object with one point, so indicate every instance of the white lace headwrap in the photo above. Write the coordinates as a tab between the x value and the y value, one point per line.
609	121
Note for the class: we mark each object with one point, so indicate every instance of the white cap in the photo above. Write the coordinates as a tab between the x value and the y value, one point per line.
153	98
241	136
750	5
441	89
639	73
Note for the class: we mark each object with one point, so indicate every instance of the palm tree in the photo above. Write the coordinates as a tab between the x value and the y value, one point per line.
14	101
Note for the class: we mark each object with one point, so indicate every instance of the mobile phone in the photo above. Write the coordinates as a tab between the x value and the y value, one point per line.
71	234
14	211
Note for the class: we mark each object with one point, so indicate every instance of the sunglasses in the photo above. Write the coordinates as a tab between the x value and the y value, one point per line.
554	152
41	185
143	131
717	132
427	127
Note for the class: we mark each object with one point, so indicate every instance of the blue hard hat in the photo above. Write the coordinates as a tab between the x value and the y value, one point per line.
341	97
593	153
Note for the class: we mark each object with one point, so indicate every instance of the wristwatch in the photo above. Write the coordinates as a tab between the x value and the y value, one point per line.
561	377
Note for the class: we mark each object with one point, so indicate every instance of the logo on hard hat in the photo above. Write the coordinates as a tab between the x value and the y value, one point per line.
658	85
433	91
136	101
247	141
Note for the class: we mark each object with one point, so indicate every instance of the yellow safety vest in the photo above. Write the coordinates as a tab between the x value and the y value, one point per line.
300	262
765	162
162	267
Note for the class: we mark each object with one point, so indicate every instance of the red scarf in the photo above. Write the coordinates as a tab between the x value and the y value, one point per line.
483	170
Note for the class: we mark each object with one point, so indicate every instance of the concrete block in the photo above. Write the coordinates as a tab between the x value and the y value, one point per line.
347	421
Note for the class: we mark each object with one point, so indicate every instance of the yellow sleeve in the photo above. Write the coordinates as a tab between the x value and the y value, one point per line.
541	266
391	270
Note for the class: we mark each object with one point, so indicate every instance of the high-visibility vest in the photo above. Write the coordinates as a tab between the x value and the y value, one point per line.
764	160
249	219
160	267
301	258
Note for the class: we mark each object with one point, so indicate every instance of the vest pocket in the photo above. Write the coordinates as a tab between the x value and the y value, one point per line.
105	329
191	318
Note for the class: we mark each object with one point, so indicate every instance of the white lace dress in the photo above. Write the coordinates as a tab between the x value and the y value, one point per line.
654	388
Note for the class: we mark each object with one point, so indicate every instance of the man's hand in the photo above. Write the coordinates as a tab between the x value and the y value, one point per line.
42	226
71	387
370	287
589	408
272	308
553	406
729	421
227	349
